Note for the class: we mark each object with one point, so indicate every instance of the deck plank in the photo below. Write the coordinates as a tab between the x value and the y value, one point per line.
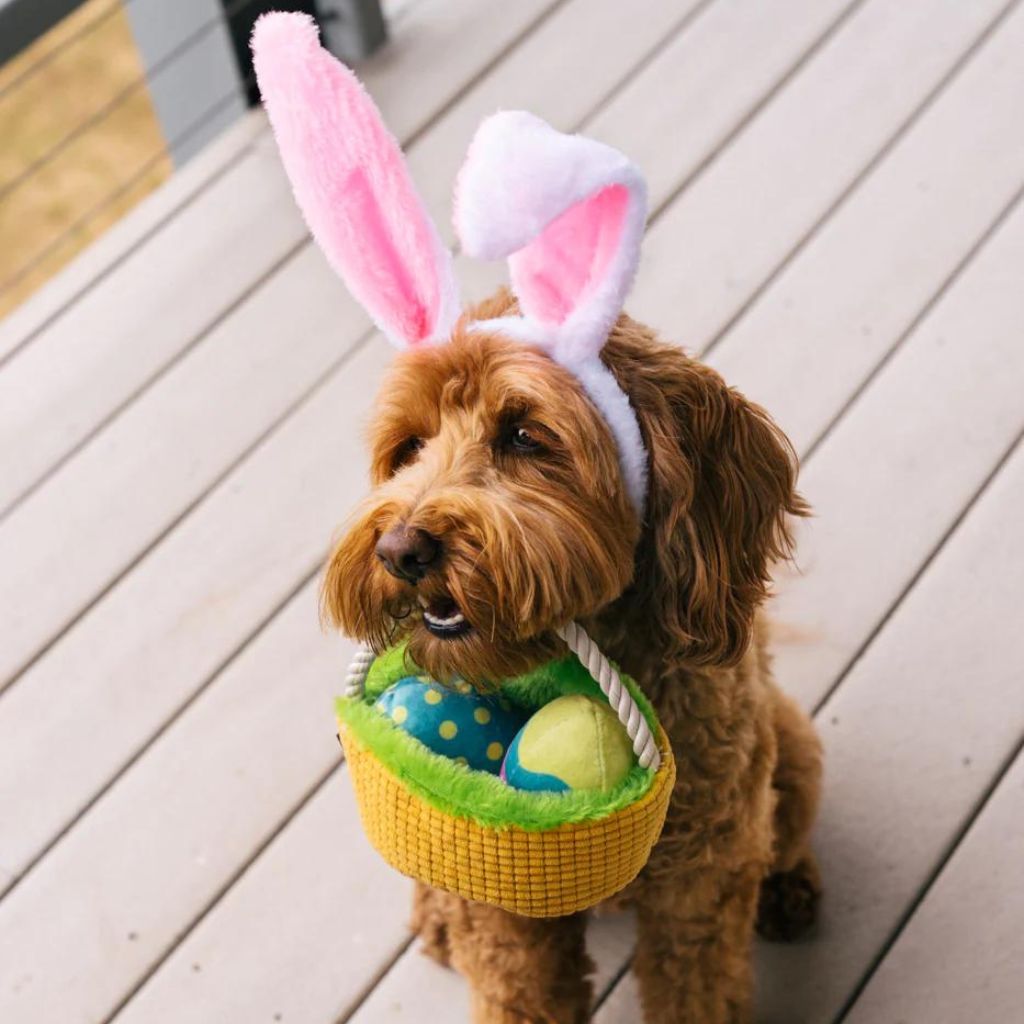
162	468
823	130
106	347
959	957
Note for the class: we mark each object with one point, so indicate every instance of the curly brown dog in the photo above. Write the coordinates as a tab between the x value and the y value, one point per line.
497	493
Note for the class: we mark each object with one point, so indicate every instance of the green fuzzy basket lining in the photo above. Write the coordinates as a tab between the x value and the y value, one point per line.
480	796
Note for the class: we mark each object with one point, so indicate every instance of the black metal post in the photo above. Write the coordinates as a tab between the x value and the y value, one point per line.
352	29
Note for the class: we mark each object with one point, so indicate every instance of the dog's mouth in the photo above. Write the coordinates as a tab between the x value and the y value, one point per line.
442	617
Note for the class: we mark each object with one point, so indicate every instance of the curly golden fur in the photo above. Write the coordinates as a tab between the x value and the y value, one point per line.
533	535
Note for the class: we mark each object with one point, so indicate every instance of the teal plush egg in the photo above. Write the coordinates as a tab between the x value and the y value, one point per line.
459	723
574	742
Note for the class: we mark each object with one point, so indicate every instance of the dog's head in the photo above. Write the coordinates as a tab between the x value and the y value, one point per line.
497	511
541	458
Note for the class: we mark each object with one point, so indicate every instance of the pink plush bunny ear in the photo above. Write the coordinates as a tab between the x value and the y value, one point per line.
351	183
569	214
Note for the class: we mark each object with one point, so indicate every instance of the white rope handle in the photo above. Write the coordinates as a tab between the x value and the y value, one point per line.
580	643
620	699
358	670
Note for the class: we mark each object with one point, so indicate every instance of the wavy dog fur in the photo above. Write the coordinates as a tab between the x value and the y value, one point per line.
532	540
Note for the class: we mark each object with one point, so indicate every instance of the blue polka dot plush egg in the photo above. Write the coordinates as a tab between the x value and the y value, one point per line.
460	723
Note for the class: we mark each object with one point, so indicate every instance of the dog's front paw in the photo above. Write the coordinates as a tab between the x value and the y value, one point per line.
788	906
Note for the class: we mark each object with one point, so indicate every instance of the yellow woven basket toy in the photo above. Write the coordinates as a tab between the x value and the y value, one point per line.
454	837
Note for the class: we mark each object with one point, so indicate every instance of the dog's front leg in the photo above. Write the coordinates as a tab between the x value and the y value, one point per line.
520	970
693	947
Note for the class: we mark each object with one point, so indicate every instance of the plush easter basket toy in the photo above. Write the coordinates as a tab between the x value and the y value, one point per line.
590	772
536	853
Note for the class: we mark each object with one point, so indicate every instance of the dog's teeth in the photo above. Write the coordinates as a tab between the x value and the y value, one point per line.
424	603
455	620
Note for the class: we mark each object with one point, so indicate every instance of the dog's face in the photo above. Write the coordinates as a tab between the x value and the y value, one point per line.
498	512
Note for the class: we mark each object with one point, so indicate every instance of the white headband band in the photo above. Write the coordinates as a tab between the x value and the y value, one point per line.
602	389
566	212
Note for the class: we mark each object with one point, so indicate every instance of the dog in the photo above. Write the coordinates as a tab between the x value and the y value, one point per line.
497	502
541	459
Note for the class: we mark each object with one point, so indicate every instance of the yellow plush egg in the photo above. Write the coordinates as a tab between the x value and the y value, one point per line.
575	742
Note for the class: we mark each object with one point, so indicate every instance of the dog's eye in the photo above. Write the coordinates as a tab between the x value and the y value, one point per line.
522	440
405	453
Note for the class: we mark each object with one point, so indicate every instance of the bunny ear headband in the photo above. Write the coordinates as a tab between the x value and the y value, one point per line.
567	212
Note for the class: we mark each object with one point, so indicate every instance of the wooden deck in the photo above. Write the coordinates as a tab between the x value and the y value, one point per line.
837	225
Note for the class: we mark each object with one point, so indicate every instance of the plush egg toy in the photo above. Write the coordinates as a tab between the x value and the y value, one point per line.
574	742
459	723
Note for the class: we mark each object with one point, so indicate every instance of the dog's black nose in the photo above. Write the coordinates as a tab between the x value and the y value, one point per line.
408	554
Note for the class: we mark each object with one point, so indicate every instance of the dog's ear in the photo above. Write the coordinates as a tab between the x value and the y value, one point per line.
722	484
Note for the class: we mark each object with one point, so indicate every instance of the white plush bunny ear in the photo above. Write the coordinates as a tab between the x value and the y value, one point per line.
569	214
352	184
